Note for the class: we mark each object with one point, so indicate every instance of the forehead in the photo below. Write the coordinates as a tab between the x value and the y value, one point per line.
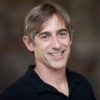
54	23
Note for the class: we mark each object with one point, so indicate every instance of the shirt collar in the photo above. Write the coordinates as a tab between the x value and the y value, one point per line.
40	86
72	80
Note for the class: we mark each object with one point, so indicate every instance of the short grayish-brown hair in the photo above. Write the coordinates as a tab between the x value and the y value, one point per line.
37	18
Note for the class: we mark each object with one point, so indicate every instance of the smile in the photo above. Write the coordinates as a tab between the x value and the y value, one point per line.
57	55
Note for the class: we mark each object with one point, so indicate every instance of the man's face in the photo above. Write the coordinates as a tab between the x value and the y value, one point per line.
52	45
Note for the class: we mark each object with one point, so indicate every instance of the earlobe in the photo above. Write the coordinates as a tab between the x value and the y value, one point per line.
28	44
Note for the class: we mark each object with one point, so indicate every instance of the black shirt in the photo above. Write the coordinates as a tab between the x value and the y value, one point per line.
31	87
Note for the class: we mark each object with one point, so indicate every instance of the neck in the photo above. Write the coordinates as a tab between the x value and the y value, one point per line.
54	77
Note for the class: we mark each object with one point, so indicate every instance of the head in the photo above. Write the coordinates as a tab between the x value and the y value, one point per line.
40	21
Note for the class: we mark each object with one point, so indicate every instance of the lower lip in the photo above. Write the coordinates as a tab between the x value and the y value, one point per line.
58	57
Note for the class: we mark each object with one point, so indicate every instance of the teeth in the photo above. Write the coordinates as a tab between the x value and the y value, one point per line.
56	54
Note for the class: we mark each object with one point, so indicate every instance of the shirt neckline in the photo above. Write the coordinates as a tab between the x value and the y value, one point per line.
40	86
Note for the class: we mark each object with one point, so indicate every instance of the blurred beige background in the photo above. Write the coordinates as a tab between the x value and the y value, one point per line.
85	51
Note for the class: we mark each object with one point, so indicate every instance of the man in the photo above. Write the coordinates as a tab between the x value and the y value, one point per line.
48	35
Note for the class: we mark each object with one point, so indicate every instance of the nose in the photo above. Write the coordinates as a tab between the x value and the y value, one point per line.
55	43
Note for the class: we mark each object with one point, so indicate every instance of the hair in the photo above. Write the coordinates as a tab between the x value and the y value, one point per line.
38	17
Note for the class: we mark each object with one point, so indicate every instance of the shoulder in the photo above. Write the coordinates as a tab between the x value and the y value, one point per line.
76	77
84	87
19	89
82	79
18	85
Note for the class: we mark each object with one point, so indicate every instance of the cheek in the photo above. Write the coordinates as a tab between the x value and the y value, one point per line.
66	42
42	46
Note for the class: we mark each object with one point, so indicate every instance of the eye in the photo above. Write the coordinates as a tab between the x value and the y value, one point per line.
63	33
45	36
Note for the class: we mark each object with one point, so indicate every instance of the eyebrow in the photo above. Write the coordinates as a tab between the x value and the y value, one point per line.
48	32
60	30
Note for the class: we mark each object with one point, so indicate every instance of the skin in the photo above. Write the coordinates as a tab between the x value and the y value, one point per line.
51	50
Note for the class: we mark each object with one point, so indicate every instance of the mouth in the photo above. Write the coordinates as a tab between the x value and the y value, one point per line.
57	55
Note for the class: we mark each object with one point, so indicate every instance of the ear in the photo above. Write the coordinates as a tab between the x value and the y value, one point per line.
70	42
71	39
28	44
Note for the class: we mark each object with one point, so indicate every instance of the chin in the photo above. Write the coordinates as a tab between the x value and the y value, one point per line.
58	66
